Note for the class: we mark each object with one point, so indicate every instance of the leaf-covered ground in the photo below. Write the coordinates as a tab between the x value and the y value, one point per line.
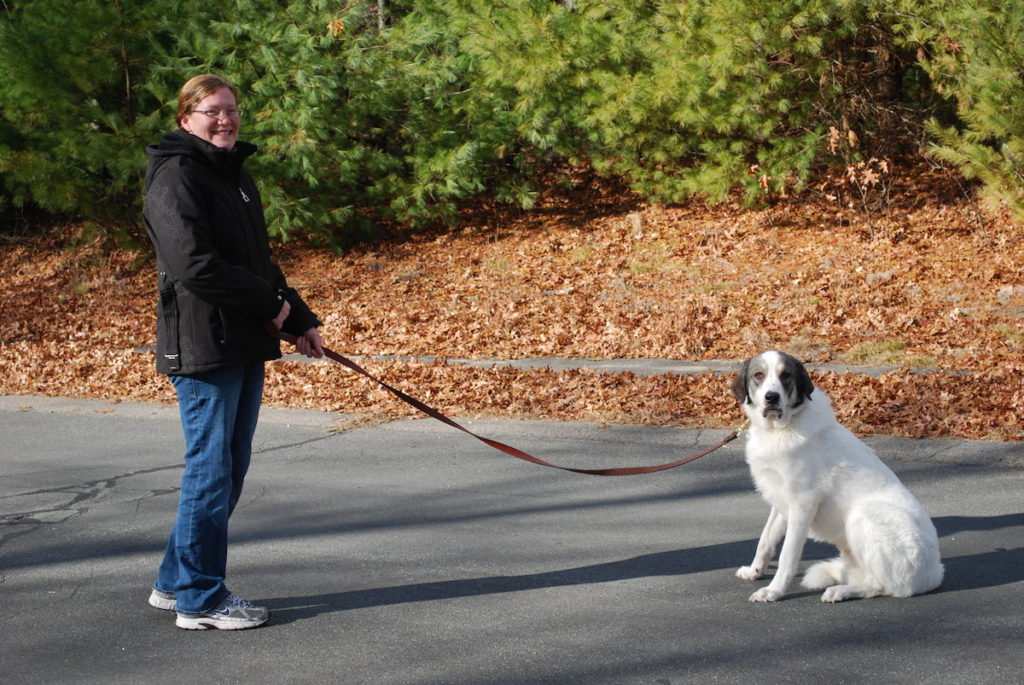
921	279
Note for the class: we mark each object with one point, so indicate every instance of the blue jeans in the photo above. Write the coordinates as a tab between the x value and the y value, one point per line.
219	410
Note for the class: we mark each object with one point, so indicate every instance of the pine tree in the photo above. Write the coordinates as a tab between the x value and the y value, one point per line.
975	54
401	110
69	100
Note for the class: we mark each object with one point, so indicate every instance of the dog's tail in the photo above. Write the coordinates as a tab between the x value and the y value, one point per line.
826	574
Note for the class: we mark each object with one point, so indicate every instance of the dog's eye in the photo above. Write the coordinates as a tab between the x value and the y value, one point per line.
786	375
759	376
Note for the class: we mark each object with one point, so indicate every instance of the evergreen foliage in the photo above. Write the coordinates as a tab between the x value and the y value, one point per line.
401	110
976	59
71	99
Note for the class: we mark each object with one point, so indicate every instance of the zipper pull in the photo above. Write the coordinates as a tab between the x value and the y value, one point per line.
244	196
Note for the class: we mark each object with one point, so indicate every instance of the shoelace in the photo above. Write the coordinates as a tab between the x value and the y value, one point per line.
236	601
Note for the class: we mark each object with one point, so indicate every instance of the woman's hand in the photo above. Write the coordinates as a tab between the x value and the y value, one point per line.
309	344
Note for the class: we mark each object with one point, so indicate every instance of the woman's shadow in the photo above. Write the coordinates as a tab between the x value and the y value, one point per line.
987	569
677	562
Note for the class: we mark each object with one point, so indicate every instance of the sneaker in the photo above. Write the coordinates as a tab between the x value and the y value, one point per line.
234	613
163	600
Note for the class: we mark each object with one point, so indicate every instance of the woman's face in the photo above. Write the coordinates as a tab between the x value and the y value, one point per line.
220	130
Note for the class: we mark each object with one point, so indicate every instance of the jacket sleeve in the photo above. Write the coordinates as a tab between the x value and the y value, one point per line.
177	222
301	318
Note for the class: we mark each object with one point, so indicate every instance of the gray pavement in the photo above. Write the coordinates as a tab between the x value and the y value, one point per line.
410	553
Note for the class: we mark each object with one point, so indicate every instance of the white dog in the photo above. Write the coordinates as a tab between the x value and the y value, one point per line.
824	483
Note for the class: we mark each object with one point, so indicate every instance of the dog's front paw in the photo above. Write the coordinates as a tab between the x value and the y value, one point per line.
749	572
766	594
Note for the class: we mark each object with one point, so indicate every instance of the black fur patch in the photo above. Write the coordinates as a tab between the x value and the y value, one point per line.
739	384
802	385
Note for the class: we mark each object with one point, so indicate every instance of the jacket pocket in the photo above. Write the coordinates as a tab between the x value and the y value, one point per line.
220	328
230	331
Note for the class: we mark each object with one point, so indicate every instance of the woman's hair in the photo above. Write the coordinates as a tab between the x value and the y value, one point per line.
197	88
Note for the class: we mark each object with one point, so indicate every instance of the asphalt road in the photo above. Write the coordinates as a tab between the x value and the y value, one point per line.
410	553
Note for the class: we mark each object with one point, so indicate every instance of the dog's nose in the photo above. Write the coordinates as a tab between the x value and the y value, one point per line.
771	398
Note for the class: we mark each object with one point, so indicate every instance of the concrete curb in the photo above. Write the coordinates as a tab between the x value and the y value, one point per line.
638	366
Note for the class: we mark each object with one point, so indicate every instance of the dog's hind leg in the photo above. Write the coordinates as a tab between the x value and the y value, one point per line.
897	550
766	545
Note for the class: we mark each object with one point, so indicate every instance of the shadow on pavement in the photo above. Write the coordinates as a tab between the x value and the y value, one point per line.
677	562
968	572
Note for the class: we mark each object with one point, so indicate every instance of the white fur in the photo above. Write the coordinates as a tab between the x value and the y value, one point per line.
824	483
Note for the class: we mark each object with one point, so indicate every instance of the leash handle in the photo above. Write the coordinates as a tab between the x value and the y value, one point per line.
507	449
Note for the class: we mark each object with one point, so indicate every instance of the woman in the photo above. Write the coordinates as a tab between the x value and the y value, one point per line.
218	289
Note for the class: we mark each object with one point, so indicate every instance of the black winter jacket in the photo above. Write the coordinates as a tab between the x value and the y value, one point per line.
218	285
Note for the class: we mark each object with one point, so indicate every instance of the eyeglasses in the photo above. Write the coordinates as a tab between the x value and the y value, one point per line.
218	113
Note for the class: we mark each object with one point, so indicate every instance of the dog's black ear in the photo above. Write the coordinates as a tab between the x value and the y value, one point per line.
739	384
804	384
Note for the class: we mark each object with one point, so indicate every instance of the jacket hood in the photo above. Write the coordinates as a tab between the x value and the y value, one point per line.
181	143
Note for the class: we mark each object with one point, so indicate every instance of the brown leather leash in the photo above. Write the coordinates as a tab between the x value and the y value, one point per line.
508	449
